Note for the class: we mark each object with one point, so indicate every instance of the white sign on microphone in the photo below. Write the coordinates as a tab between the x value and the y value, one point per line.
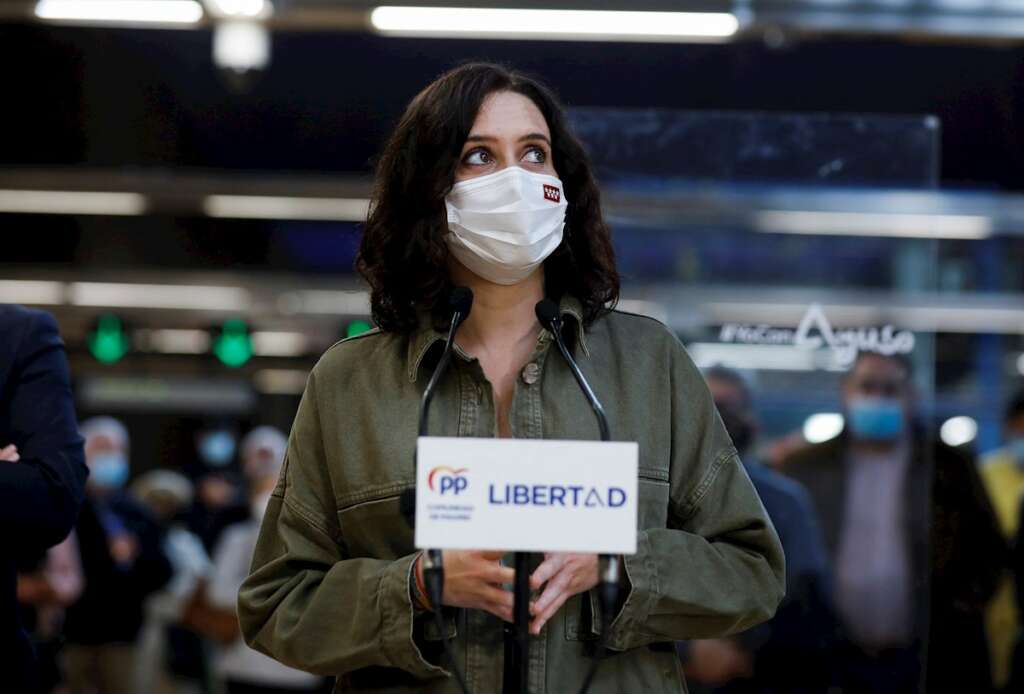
526	495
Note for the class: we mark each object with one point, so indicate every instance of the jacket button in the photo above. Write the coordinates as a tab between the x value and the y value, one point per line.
531	373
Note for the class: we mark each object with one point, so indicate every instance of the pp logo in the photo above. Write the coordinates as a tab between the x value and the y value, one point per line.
444	479
552	193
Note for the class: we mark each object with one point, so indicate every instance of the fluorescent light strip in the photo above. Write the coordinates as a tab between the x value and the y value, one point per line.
121	11
31	292
71	202
267	343
174	341
275	207
169	296
325	301
927	226
553	24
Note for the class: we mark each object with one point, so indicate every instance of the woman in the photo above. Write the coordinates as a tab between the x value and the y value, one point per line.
482	185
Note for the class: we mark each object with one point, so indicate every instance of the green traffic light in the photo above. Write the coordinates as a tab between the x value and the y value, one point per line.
357	327
108	342
233	346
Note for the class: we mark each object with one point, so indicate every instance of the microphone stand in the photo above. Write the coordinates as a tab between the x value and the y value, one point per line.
610	570
461	300
517	637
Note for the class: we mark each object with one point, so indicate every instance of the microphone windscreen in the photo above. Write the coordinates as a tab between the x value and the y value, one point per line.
460	301
547	312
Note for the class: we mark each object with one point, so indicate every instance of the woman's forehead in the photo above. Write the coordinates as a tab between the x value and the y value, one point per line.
508	115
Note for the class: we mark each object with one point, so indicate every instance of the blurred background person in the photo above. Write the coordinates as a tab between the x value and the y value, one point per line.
171	657
792	652
45	590
42	477
123	559
244	670
220	494
912	537
1002	472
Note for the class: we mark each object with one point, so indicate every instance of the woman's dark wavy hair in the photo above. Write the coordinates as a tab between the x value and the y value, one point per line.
403	255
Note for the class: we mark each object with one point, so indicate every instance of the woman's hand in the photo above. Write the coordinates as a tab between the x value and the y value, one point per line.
10	453
474	579
565	575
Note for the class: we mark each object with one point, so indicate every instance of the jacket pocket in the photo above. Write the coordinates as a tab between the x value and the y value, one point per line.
653	490
375	527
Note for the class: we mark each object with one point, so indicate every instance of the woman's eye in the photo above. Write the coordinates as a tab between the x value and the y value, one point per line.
477	157
536	155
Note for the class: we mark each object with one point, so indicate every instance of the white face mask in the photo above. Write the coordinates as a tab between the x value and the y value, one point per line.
503	225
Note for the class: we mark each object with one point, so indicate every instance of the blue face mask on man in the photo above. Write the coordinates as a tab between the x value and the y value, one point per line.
217	448
109	470
875	419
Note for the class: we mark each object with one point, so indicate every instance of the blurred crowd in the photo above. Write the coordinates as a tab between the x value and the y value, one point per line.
141	595
904	565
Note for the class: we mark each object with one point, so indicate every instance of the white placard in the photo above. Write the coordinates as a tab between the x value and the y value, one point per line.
526	495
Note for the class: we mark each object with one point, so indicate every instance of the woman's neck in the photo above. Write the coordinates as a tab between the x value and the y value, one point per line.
502	315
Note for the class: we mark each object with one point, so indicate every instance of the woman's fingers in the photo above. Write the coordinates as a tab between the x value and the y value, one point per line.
548	568
555	587
493	573
554	602
9	453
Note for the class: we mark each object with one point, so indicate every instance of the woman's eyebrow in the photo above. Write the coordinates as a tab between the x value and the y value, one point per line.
524	138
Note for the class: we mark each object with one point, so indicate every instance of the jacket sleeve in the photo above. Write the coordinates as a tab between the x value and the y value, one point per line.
40	495
718	567
306	603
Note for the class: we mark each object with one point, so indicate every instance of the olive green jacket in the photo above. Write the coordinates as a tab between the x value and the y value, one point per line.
329	588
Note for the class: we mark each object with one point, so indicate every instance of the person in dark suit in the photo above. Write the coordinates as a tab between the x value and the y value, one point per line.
42	467
912	537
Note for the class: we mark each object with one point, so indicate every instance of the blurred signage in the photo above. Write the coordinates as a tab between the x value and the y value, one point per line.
815	331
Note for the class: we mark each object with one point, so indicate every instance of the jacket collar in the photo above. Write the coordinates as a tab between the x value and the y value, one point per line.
426	335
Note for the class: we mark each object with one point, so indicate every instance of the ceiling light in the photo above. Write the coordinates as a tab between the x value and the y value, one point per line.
275	207
126	11
31	292
246	9
586	25
71	202
957	431
267	343
823	426
173	341
927	226
325	301
241	46
169	296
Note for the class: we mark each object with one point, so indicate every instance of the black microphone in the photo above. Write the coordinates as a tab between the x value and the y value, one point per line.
551	318
460	301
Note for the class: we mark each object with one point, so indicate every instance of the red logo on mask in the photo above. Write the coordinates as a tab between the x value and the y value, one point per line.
552	193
